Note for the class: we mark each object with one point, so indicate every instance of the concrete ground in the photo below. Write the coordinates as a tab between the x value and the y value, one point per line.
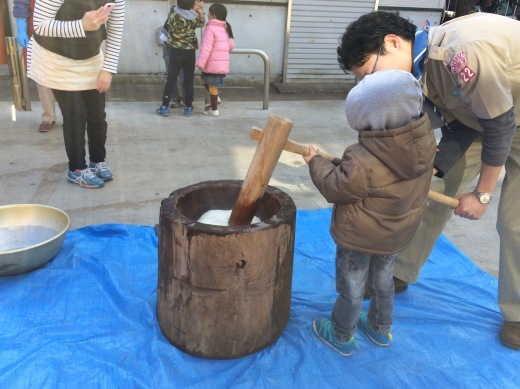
151	156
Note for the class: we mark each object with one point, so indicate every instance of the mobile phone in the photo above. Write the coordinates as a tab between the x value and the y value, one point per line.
108	7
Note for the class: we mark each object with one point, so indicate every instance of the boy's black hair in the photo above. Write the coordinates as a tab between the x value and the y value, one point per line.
366	35
220	12
186	4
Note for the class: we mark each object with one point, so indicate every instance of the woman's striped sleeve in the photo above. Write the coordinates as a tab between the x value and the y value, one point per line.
45	24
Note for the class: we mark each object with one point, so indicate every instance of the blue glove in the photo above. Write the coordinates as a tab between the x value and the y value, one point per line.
21	26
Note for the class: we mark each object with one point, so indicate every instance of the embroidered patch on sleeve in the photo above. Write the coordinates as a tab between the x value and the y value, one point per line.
466	74
459	66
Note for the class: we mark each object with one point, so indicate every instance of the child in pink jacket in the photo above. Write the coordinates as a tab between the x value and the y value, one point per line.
213	60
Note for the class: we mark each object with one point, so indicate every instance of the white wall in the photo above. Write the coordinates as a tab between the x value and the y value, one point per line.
254	27
257	24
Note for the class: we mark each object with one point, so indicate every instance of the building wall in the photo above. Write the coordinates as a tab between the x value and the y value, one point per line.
315	28
417	11
256	25
301	46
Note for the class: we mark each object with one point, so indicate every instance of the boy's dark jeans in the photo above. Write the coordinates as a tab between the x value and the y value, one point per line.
353	270
175	91
83	110
185	60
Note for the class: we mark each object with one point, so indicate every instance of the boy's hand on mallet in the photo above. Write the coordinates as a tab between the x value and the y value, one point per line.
312	153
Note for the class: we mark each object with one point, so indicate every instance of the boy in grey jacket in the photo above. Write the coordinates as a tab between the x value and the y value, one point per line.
379	193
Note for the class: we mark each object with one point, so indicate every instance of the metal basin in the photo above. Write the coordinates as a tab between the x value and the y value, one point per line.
30	236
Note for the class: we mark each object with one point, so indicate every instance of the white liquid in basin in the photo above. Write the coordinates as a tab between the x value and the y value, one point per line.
15	238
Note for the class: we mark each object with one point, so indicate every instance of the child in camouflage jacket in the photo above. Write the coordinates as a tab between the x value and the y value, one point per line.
179	29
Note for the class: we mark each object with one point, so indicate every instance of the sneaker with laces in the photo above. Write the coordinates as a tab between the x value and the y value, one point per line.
85	178
323	329
211	112
163	111
382	340
101	170
188	111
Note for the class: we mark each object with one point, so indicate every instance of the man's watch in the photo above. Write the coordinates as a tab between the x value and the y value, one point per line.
482	197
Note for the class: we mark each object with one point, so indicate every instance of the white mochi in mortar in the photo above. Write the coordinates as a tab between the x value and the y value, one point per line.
220	217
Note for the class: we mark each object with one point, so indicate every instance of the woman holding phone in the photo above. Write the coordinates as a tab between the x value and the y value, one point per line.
65	55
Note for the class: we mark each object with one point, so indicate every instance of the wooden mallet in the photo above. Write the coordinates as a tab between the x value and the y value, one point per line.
299	148
261	169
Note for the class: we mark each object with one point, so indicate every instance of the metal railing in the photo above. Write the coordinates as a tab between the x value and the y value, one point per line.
267	70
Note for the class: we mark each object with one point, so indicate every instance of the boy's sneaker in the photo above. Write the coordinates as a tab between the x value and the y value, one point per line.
211	112
323	329
163	111
376	338
101	170
176	103
188	111
85	178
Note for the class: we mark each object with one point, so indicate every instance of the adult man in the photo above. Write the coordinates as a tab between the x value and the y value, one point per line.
23	12
469	69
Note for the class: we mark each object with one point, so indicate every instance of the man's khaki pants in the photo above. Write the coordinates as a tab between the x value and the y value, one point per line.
48	103
410	261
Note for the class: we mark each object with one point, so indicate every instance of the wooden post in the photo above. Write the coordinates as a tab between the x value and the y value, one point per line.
264	161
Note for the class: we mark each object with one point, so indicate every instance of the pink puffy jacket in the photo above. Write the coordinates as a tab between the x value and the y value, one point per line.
215	48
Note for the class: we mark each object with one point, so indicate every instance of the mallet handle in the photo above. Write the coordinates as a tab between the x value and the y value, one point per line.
294	147
299	148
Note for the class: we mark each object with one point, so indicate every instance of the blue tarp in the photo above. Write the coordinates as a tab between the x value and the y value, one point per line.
88	319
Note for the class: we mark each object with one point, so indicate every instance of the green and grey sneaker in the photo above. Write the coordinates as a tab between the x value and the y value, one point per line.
376	338
323	329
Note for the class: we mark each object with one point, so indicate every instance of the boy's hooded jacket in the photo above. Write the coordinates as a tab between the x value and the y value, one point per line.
380	188
179	28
